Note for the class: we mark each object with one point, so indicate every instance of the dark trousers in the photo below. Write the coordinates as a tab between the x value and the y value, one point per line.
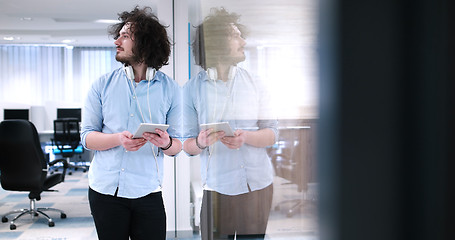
121	218
246	215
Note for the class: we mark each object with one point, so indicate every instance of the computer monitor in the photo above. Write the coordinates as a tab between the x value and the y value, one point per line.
16	114
69	113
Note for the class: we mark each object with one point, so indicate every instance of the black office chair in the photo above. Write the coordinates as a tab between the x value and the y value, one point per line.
23	167
67	139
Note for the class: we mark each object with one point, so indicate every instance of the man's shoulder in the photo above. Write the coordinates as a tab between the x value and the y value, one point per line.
161	76
108	77
167	83
200	77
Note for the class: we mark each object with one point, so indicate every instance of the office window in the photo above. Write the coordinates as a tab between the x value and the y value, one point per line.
90	63
31	74
34	75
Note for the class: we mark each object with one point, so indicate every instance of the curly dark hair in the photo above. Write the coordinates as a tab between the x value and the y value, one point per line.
210	41
151	42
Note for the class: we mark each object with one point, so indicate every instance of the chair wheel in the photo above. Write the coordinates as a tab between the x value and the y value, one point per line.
4	219
12	226
62	215
51	224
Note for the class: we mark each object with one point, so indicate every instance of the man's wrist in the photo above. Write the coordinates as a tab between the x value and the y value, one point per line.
199	145
168	146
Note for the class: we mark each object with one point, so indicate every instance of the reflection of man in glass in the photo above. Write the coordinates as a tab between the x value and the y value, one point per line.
236	171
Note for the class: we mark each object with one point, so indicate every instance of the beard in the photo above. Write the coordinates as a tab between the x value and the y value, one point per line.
122	59
125	59
239	59
232	60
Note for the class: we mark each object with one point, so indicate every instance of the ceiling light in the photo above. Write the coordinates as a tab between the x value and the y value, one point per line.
26	18
68	41
8	38
109	21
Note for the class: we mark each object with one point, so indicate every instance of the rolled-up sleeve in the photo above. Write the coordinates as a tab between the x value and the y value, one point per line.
92	118
271	124
174	115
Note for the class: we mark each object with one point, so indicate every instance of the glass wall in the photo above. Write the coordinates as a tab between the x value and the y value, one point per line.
253	64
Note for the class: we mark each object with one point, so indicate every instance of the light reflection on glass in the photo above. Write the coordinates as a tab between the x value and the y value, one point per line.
281	51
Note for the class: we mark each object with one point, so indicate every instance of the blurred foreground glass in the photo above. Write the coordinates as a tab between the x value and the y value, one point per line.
280	62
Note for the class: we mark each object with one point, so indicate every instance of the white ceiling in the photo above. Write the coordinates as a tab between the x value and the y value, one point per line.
285	22
52	21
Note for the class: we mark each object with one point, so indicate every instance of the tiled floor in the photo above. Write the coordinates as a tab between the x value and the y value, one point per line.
72	198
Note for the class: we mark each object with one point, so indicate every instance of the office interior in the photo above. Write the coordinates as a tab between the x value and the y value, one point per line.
358	87
57	77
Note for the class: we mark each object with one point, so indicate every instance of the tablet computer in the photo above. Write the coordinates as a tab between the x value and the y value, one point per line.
149	127
219	126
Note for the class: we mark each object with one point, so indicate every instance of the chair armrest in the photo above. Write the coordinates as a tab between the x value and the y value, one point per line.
63	161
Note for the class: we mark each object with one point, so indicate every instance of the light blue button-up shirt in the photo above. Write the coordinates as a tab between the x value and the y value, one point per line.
245	104
115	104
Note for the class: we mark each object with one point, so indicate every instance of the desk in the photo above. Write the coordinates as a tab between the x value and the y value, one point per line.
46	137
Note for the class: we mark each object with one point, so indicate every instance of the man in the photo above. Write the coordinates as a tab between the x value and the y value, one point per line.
126	173
236	170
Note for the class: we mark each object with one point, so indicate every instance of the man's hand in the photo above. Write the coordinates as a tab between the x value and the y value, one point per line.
208	137
236	141
130	144
160	138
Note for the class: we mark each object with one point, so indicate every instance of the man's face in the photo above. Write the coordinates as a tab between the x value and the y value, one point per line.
124	44
236	44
